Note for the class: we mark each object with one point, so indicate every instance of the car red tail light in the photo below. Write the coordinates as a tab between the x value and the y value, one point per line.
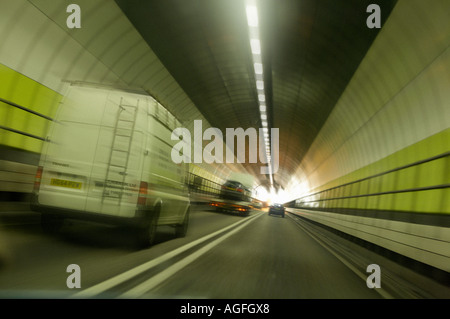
37	179
142	197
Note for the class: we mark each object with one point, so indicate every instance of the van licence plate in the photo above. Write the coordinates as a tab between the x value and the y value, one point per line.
64	183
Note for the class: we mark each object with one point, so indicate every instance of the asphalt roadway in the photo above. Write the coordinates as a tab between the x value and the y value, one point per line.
222	256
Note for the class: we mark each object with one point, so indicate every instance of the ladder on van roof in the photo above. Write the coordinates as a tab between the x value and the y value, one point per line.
114	187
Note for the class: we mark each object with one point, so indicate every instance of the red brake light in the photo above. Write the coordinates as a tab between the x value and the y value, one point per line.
37	179
142	197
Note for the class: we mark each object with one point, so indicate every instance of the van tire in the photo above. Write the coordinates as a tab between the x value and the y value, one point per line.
181	230
51	224
146	234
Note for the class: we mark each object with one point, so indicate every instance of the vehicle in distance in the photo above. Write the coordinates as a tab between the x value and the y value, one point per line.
234	190
234	198
277	209
108	160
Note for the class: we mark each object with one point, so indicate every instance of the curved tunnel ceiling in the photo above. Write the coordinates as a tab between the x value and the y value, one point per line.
310	50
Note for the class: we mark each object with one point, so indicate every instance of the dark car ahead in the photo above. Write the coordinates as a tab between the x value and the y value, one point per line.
234	190
277	209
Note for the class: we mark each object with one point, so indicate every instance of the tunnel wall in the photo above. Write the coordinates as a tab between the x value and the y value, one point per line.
398	97
404	181
380	167
405	210
21	90
26	110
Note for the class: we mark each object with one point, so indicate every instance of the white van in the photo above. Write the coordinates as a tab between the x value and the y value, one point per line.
108	159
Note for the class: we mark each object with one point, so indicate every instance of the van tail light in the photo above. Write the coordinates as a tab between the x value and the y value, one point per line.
37	179
240	190
142	197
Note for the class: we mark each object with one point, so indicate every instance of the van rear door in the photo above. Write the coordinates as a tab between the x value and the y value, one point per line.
68	155
115	176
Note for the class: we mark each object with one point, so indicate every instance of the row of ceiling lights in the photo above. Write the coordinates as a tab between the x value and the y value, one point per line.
255	45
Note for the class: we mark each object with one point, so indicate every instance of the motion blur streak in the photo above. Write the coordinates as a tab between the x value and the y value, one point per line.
360	112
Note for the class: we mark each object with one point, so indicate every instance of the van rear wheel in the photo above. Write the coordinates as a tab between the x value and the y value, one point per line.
146	234
181	230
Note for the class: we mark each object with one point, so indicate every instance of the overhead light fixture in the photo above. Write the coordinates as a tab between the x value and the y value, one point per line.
256	46
260	85
258	68
252	16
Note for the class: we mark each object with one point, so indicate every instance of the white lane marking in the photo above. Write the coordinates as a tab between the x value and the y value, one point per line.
363	276
151	283
116	280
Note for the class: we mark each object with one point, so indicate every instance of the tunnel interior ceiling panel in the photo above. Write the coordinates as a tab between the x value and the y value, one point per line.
310	51
398	96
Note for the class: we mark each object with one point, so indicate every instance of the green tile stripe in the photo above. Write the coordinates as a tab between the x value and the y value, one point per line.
15	88
427	181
